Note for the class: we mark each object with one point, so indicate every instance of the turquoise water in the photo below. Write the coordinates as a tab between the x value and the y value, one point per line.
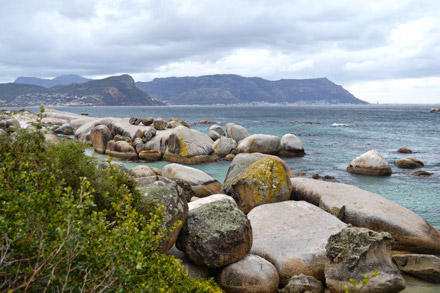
332	137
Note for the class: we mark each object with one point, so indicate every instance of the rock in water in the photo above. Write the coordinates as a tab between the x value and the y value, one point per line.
120	149
302	283
223	146
260	143
426	267
236	132
354	253
100	136
255	179
215	132
369	210
409	163
163	191
251	274
404	150
291	146
215	234
370	163
292	236
202	184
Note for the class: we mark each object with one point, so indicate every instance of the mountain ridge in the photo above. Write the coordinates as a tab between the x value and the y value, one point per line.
64	79
235	89
113	90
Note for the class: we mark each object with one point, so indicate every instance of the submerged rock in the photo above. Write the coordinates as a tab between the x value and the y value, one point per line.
404	150
251	274
354	253
366	209
409	163
426	267
292	236
421	174
215	234
201	183
370	163
256	179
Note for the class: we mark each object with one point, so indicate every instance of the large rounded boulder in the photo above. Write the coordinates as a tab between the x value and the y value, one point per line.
215	132
163	191
291	146
236	132
362	208
215	234
256	179
353	253
251	274
201	183
260	143
292	236
370	163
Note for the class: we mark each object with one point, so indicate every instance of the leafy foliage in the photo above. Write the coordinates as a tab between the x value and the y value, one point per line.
364	282
54	237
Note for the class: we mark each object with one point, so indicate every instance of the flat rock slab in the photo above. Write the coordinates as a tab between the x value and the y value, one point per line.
369	210
292	236
426	267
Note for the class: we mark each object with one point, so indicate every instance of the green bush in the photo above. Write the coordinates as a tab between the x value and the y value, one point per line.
54	237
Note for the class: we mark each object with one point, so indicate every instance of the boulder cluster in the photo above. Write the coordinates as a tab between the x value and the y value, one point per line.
261	230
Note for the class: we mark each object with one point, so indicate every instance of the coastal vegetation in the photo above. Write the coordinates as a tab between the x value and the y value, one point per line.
68	225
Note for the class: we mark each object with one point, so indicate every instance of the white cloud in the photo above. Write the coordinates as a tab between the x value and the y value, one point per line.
348	42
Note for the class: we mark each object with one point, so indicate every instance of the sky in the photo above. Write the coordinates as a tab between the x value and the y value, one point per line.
385	51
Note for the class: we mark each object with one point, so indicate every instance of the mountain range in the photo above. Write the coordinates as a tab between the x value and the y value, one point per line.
203	90
114	90
234	89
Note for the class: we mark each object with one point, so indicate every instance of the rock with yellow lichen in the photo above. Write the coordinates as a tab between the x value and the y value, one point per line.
183	145
256	179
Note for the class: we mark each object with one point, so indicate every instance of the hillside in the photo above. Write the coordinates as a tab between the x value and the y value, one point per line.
233	89
114	90
47	83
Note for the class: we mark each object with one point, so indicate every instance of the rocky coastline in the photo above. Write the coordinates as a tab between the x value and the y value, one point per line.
262	229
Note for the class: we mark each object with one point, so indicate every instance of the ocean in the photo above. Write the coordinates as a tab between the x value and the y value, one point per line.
332	137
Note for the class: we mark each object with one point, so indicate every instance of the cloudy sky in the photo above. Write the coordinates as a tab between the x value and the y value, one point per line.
386	51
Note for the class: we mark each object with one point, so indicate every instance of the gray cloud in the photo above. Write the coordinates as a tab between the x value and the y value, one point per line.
347	41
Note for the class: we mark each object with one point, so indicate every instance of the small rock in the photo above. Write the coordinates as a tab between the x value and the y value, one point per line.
300	174
229	157
291	146
121	149
206	122
236	132
159	124
148	121
223	146
426	267
421	174
302	283
370	163
316	176
251	274
150	155
409	163
215	132
404	150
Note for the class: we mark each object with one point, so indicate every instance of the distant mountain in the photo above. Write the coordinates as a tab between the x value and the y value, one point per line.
234	89
47	83
114	90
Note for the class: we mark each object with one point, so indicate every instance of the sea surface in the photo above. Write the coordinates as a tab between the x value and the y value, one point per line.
332	137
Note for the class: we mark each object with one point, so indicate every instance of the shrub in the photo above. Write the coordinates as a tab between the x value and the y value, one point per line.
53	236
